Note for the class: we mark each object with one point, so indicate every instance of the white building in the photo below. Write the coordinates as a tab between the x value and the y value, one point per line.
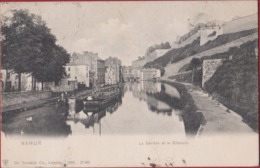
110	76
113	74
150	74
10	82
78	73
136	73
90	59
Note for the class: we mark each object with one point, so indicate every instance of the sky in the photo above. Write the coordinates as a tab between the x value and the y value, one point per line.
126	29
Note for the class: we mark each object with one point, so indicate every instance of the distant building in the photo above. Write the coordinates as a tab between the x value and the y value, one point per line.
101	71
110	76
91	60
113	73
65	85
150	74
10	82
210	30
127	73
77	72
136	74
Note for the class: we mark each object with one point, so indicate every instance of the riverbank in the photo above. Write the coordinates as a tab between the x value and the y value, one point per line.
192	118
219	118
27	104
215	117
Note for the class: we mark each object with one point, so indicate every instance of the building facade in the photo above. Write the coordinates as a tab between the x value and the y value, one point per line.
150	74
10	82
113	73
90	59
78	73
127	73
101	71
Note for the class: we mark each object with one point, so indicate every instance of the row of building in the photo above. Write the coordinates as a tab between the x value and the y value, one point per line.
140	74
85	70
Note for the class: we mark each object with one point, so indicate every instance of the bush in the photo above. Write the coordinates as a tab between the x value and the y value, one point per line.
235	83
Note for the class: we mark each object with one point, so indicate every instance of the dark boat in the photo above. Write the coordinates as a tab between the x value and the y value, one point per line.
101	101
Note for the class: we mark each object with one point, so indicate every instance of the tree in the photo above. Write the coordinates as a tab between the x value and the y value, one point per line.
29	47
195	62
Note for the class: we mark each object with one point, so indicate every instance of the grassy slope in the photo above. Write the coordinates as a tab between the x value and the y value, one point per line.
235	83
178	54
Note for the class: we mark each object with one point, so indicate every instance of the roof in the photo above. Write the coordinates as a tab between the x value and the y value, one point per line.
85	58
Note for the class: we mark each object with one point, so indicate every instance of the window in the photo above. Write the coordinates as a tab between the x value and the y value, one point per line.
68	82
68	75
75	77
68	68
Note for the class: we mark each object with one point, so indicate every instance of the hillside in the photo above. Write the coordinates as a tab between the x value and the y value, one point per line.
178	54
235	83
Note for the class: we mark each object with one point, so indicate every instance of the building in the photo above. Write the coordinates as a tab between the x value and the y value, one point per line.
110	76
136	73
77	72
127	73
10	82
209	30
113	73
101	71
91	60
65	85
150	74
241	23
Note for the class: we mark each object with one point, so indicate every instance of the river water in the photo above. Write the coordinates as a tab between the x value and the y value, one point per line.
145	126
145	108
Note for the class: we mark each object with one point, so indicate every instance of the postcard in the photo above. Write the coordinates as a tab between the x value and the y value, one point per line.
129	84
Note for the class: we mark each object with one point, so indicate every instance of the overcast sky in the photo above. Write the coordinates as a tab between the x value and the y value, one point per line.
126	29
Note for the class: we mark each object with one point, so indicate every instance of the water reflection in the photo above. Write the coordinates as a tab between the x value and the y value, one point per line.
49	120
141	108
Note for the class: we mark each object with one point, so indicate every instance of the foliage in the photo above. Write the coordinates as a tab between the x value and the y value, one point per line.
236	82
195	62
187	77
165	45
29	47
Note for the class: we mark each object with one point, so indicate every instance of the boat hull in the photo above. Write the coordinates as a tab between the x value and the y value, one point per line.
97	105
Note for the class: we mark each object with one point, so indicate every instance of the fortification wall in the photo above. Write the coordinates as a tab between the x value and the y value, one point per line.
241	24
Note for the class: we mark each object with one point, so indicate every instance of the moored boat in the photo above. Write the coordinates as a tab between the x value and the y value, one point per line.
99	101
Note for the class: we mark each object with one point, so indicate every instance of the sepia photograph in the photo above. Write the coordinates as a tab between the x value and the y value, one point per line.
129	84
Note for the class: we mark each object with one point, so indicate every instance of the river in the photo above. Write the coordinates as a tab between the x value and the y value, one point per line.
145	108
